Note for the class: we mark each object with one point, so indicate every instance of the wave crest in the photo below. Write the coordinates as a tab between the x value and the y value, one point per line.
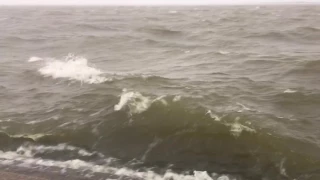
27	160
136	102
72	68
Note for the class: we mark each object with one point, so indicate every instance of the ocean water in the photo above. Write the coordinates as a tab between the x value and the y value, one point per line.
163	93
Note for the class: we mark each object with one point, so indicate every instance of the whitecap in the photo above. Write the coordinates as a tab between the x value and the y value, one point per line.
289	91
282	168
224	52
223	178
161	99
6	120
236	128
34	59
176	98
136	102
173	12
31	136
73	68
244	108
31	150
213	116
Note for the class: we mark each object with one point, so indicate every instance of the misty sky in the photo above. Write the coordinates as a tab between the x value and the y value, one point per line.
144	2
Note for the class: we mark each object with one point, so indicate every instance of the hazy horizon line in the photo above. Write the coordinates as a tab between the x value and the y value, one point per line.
195	4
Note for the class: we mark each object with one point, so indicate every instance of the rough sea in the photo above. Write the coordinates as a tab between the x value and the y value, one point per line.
161	93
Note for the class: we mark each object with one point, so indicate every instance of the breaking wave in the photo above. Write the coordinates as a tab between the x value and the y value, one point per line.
138	103
71	67
25	157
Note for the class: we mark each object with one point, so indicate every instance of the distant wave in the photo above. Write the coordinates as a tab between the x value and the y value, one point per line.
261	62
298	34
305	68
18	39
87	26
309	29
164	32
312	64
276	35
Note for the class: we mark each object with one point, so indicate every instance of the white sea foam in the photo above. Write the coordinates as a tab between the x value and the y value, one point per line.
236	128
5	120
136	102
289	91
31	136
223	178
213	116
30	150
161	99
155	142
34	59
244	108
71	67
282	168
176	98
27	160
224	52
173	12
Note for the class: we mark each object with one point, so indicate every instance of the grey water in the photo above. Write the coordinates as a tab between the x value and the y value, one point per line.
207	93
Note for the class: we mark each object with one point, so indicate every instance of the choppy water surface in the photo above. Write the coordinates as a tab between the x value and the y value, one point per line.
206	93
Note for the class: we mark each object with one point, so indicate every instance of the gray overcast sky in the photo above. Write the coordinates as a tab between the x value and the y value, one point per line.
144	2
